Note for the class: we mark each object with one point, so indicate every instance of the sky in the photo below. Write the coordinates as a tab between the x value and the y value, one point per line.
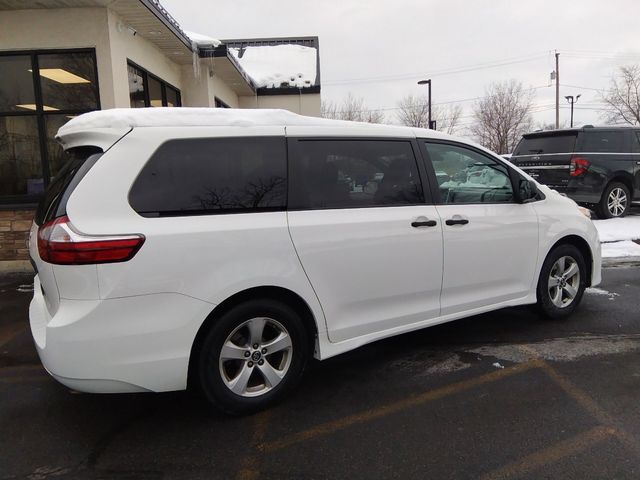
378	50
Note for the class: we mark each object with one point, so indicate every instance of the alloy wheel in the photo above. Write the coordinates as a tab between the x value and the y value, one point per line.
617	202
564	281
255	357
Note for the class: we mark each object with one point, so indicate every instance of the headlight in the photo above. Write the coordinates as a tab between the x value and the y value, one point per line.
585	211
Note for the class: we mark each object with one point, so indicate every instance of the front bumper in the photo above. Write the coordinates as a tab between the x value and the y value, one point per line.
129	344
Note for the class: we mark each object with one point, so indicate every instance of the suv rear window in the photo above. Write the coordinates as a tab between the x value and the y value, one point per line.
540	144
603	141
202	176
54	202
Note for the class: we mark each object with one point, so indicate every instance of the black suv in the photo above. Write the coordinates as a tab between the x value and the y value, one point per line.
598	167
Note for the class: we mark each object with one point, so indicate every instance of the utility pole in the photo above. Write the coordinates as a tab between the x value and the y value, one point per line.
572	100
557	90
428	82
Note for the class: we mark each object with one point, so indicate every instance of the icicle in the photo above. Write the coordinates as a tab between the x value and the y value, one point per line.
195	60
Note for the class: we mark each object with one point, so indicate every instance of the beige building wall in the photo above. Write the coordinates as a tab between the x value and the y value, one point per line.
62	28
223	92
304	104
126	46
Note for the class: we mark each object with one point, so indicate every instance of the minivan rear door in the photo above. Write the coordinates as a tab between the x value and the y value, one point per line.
368	241
546	156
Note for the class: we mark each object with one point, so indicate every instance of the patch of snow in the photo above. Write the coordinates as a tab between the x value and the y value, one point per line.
617	229
625	248
202	40
497	365
191	117
600	291
274	66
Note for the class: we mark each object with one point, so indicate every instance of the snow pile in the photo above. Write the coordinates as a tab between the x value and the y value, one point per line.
617	229
191	117
203	40
275	66
626	248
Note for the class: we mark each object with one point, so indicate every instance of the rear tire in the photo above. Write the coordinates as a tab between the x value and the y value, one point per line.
253	356
615	201
562	282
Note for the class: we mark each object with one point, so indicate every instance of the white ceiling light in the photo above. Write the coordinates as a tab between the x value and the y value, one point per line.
32	106
61	76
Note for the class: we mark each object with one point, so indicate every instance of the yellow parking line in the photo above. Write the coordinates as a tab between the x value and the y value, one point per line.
250	468
395	407
551	454
588	403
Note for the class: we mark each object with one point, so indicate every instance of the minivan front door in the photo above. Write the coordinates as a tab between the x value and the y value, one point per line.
490	241
368	242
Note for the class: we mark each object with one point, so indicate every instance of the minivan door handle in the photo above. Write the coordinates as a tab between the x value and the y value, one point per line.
457	220
423	222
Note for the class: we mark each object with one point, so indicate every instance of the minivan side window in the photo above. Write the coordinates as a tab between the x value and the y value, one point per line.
352	174
465	176
198	176
603	141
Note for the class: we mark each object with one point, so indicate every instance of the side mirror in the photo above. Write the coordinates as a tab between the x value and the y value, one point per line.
527	190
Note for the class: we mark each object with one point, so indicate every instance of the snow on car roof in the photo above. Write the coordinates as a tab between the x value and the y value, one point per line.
274	66
188	116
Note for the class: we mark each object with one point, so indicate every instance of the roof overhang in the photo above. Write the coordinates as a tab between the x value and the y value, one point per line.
146	18
227	68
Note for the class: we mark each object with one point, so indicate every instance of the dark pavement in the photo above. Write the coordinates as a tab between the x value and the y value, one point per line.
501	395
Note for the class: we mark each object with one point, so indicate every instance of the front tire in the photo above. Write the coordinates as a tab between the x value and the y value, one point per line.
615	201
562	282
253	356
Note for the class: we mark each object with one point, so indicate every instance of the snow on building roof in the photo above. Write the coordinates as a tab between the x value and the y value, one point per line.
203	40
274	66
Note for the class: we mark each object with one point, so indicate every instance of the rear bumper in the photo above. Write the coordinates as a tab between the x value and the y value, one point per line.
129	344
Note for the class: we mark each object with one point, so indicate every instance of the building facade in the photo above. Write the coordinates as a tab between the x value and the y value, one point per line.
75	56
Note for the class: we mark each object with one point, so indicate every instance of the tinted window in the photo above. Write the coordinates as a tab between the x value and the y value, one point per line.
353	174
212	175
603	141
635	142
54	202
536	145
16	83
465	176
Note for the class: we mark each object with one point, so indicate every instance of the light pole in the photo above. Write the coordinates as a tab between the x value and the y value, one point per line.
428	82
571	100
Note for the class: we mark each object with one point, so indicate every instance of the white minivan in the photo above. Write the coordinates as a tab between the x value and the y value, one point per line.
222	249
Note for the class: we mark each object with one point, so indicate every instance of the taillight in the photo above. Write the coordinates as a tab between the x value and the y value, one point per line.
579	166
60	243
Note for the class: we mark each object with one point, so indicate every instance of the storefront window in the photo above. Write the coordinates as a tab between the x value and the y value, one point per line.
39	92
68	81
147	90
16	83
20	160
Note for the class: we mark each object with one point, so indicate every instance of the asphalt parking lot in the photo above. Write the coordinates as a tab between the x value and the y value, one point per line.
496	396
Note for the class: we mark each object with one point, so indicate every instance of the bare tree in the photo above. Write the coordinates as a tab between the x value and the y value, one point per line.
413	111
623	97
502	116
351	108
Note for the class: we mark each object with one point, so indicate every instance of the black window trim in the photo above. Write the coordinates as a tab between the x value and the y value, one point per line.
30	201
512	173
422	173
163	86
216	211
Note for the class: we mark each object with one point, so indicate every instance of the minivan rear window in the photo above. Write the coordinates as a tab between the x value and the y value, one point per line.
54	202
541	144
199	176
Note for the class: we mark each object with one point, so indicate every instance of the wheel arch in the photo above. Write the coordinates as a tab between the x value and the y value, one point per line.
583	246
621	177
281	294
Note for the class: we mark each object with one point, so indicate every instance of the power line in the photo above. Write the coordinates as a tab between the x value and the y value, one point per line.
448	71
